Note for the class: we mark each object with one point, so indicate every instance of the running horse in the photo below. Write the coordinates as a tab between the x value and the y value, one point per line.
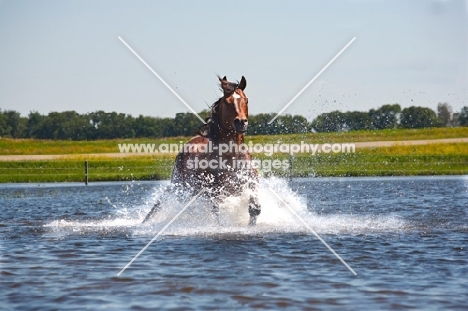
214	160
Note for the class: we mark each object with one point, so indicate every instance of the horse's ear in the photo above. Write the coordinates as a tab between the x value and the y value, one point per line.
242	83
225	85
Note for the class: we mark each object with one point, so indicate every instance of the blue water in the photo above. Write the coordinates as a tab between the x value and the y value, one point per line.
62	246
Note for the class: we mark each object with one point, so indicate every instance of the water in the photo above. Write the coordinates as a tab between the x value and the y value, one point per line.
62	246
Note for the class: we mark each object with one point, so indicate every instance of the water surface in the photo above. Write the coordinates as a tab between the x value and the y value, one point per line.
62	246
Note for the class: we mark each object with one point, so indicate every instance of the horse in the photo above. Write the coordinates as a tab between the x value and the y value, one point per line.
216	159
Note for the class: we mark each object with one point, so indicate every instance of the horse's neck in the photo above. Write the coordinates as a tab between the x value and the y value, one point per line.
224	136
237	138
220	135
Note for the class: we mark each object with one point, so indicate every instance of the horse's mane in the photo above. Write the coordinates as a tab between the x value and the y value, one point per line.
229	87
214	121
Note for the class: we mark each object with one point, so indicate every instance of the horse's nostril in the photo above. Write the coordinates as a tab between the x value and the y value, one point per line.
241	121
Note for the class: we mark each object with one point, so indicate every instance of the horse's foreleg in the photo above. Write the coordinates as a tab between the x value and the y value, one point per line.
215	209
254	209
157	206
215	212
254	205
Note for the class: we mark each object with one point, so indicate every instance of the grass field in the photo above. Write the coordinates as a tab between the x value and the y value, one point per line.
45	147
101	168
365	136
431	159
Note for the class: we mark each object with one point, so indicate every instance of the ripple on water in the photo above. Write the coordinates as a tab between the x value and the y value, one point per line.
63	251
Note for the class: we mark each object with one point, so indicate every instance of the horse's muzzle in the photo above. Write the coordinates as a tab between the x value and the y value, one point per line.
240	125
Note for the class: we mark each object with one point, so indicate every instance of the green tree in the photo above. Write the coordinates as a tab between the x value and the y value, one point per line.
34	125
186	124
418	117
153	127
145	126
3	124
463	116
385	117
357	120
167	125
258	124
444	113
14	126
287	123
58	125
334	121
111	125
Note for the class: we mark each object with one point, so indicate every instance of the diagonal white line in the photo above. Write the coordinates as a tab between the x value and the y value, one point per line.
313	79
313	231
161	231
161	79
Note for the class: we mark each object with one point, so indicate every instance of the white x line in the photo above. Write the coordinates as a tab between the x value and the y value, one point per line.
311	81
161	79
313	231
161	231
196	196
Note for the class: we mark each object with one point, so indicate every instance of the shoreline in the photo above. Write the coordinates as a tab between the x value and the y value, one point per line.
167	181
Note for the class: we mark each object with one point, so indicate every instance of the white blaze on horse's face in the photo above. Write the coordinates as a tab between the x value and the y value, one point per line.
239	121
236	102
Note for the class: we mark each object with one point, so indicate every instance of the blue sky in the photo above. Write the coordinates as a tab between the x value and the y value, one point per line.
65	55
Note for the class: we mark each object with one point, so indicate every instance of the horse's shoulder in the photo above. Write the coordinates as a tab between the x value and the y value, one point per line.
197	140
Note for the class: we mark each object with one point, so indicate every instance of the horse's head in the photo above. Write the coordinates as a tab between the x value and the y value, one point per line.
233	107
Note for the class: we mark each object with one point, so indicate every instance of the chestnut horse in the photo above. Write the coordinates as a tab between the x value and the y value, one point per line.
214	160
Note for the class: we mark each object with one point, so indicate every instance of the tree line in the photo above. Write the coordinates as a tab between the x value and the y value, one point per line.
70	125
390	117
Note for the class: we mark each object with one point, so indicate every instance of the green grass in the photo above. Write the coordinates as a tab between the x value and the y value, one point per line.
71	169
364	136
43	147
381	165
432	159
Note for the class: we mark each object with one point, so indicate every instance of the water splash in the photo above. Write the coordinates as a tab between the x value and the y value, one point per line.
198	220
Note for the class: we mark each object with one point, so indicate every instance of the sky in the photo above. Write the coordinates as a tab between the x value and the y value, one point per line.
66	55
